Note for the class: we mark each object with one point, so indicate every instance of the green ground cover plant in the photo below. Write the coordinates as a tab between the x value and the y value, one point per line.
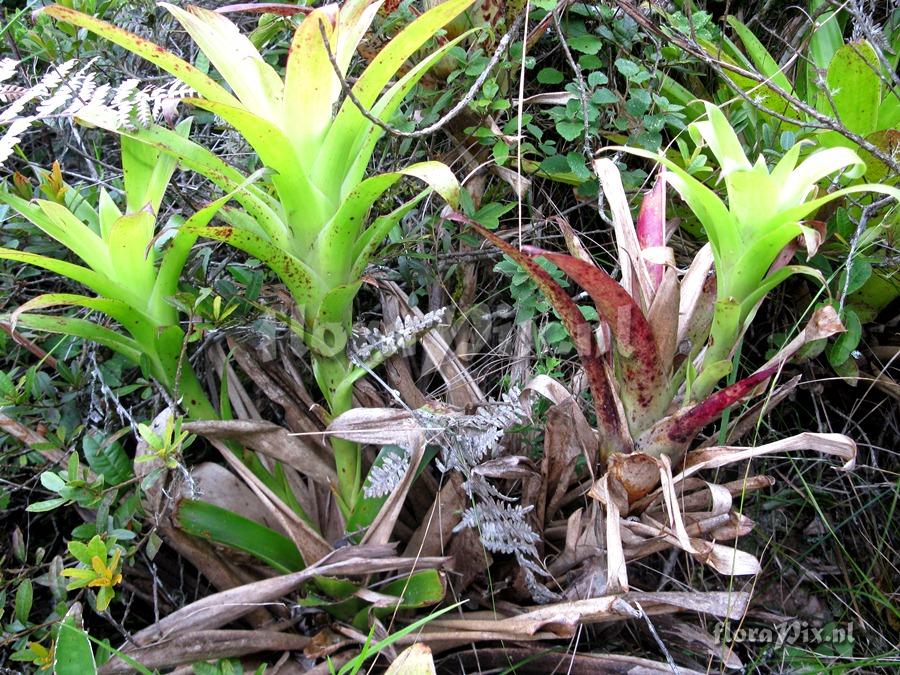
447	336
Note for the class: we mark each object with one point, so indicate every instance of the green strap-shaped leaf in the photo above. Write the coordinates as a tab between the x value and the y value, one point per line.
744	272
131	319
775	279
348	123
176	254
722	140
75	235
310	86
760	56
336	243
302	282
98	283
786	165
826	39
306	207
131	252
225	527
107	212
803	210
368	134
73	654
59	223
86	330
264	209
706	205
795	189
744	203
368	243
152	52
353	22
147	172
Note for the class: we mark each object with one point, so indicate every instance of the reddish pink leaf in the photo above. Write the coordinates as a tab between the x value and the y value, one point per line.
642	382
651	225
615	437
673	434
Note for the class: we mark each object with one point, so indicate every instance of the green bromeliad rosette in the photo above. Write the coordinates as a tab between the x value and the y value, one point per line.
130	273
308	221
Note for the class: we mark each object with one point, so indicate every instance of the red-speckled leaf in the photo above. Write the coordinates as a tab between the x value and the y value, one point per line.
296	275
280	8
615	437
642	382
673	434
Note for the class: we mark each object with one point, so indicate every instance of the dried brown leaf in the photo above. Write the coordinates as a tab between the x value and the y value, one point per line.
414	660
377	426
222	608
273	441
838	445
206	645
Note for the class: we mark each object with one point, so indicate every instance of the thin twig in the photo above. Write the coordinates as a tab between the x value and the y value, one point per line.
822	121
854	245
582	89
659	642
453	112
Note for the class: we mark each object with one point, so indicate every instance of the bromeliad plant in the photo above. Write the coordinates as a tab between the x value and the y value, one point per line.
765	212
646	418
310	228
130	271
646	396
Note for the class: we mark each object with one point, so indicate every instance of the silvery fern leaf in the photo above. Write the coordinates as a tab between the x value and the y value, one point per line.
369	343
10	92
12	136
468	440
66	93
503	527
45	87
386	475
7	68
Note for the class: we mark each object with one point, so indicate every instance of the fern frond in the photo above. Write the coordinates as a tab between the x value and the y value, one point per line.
12	136
466	442
384	477
7	68
368	343
64	92
10	92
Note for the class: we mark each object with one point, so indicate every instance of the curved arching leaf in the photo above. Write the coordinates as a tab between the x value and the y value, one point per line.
349	124
152	52
336	244
366	135
131	319
86	330
98	283
303	284
612	428
253	81
642	382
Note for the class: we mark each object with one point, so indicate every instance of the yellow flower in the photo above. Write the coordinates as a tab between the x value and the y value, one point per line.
106	576
43	656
